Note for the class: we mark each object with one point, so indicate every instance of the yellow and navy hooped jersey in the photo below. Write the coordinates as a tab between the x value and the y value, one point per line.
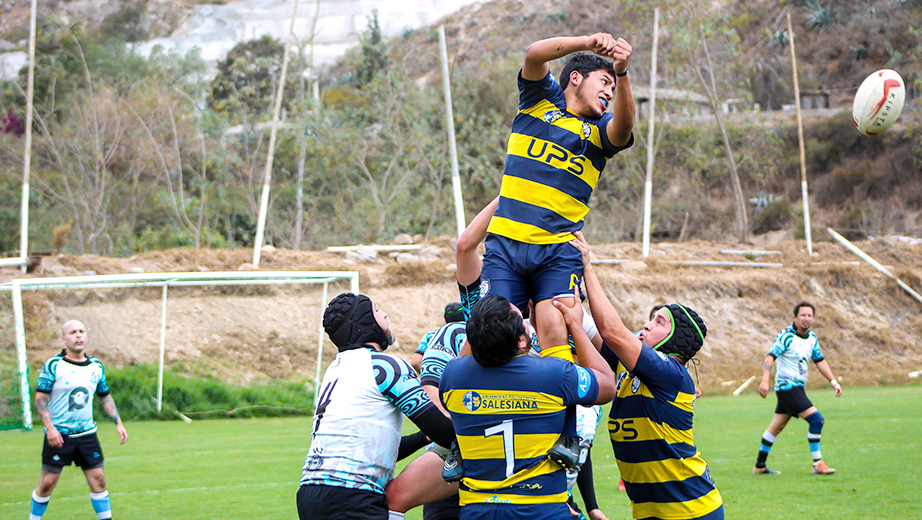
506	419
650	426
553	162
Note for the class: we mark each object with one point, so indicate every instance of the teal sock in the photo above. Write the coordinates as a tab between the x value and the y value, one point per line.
101	505
39	505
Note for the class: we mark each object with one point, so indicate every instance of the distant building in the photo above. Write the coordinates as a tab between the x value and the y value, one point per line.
670	102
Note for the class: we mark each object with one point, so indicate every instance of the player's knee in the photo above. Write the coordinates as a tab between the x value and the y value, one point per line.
816	421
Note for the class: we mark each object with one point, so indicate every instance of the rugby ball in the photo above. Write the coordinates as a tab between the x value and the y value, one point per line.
878	102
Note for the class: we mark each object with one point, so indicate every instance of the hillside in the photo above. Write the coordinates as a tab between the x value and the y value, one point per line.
870	329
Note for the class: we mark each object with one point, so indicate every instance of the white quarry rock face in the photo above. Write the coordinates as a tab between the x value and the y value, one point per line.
215	29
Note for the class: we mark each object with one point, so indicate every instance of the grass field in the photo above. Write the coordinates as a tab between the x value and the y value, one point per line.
249	468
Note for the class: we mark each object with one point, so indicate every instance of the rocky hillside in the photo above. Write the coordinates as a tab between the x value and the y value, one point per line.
870	329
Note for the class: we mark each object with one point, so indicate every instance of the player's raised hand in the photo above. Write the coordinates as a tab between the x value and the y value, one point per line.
621	54
580	243
601	43
572	314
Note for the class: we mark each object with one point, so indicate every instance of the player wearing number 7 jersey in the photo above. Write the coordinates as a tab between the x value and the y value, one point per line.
364	395
508	409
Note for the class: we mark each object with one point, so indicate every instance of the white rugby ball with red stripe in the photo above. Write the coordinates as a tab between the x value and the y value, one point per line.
878	102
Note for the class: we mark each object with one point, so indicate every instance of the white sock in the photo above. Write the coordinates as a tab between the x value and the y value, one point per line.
394	515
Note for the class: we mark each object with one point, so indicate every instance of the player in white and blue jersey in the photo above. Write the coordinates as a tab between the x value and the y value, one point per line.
792	350
356	438
453	313
64	400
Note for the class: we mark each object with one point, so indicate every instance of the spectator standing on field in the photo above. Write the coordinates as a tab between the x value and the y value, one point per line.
793	347
64	401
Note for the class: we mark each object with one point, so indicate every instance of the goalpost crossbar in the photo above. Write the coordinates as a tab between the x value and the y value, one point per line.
164	280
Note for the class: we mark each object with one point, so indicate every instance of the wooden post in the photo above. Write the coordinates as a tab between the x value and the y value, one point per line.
267	177
800	139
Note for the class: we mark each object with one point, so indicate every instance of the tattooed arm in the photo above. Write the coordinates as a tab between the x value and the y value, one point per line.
41	404
108	404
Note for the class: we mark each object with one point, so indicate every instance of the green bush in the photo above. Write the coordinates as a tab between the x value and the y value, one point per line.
135	390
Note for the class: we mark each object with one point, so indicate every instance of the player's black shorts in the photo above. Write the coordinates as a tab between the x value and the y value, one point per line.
332	502
445	509
84	451
792	401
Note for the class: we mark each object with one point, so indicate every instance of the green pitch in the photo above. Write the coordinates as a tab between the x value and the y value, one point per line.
246	469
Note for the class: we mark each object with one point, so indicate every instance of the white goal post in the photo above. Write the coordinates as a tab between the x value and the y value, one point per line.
164	280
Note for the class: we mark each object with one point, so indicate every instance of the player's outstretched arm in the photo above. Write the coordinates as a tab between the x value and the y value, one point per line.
467	257
539	53
619	339
619	128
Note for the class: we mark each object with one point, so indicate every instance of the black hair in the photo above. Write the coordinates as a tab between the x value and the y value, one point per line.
803	304
654	309
584	63
494	330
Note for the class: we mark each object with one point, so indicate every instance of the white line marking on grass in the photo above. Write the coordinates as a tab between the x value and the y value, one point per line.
158	491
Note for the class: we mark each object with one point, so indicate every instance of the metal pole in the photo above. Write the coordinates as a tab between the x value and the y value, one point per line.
874	263
800	139
648	184
320	334
21	353
162	349
27	155
264	197
450	123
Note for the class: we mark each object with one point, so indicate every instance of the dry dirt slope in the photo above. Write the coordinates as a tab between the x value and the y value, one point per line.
870	329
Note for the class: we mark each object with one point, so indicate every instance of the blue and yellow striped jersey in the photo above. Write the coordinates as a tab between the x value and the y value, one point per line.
506	419
650	426
553	162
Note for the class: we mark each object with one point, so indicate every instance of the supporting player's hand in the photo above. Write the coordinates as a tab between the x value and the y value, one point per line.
580	243
697	392
763	389
597	514
122	432
54	438
572	314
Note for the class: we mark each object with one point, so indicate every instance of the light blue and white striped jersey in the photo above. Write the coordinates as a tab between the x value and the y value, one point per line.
364	396
791	353
72	386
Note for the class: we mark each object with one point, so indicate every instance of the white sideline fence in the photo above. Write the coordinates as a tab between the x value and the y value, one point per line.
164	280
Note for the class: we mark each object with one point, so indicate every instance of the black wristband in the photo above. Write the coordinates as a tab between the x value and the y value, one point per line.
621	74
